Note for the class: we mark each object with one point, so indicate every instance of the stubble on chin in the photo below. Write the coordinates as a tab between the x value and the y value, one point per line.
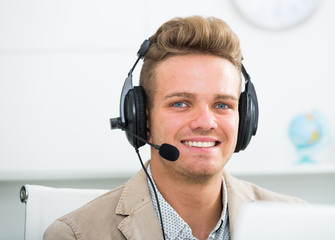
191	175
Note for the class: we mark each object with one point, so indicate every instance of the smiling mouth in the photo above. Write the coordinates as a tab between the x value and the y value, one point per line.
200	144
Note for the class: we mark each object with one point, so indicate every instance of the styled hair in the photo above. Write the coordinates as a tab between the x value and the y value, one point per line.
189	35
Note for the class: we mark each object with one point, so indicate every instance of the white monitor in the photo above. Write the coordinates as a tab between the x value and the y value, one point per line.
278	221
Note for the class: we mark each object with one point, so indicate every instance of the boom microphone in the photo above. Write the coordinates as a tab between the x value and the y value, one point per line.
166	151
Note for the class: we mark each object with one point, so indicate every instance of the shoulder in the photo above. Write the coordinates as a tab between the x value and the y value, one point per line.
251	192
92	218
101	218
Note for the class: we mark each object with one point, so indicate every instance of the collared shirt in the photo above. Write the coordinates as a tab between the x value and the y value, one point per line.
176	228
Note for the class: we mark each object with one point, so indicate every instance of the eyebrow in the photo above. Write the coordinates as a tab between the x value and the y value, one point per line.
225	96
193	96
180	94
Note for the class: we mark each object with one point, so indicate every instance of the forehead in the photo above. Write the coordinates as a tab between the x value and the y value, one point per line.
198	74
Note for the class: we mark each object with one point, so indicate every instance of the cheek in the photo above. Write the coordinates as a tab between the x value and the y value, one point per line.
164	126
156	125
230	126
235	126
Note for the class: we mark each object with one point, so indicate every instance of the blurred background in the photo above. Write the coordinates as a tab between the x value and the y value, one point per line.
63	64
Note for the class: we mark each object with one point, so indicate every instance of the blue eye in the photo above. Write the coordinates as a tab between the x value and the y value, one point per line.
179	105
221	106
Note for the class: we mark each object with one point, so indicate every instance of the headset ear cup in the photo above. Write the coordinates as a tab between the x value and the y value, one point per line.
243	122
130	115
135	115
248	111
141	118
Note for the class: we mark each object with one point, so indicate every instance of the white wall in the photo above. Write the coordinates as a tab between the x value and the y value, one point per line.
62	66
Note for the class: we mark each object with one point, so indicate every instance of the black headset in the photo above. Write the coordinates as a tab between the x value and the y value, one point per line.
133	109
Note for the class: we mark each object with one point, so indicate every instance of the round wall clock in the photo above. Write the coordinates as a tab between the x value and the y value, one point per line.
276	14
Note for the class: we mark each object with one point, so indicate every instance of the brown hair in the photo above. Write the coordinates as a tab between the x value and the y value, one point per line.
190	35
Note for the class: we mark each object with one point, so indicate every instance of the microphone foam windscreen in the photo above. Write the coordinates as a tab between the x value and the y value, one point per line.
169	152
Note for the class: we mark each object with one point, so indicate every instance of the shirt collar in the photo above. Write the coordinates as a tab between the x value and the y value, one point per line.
174	225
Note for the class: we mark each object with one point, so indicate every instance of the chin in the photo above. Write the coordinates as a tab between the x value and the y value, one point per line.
204	166
200	176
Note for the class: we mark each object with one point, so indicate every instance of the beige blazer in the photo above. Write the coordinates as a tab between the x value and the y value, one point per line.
127	212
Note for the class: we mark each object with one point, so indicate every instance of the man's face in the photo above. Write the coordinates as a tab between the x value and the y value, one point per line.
196	110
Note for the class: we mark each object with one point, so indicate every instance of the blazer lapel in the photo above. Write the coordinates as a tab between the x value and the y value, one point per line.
135	204
237	197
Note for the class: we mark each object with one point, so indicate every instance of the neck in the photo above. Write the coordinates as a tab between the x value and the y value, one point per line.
199	203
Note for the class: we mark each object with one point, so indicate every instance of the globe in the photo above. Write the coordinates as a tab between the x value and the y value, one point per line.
306	132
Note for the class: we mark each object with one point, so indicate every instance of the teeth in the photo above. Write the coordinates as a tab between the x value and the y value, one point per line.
199	144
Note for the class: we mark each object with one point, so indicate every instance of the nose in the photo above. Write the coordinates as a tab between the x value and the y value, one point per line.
203	119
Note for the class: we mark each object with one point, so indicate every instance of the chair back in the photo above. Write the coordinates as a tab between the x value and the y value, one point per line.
43	205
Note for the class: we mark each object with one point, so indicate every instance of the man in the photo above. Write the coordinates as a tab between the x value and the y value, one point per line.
192	77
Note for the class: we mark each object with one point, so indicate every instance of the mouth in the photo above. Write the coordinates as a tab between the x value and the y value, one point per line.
201	144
